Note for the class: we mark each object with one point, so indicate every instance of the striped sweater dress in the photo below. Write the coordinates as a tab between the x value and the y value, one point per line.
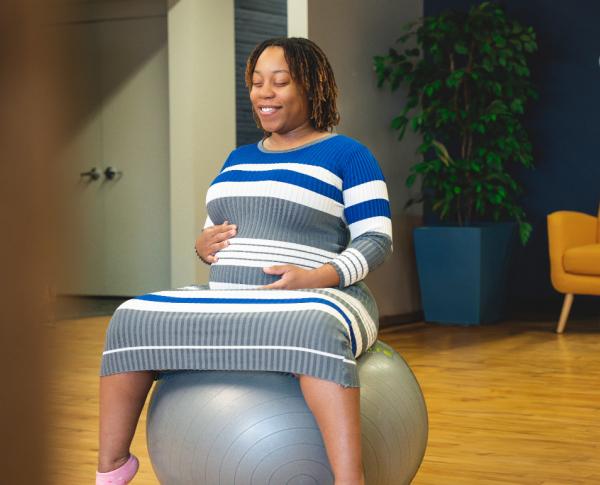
324	202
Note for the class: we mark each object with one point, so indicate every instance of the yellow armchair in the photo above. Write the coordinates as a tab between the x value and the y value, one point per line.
574	246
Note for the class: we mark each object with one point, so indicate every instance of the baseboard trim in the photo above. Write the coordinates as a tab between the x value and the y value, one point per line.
401	319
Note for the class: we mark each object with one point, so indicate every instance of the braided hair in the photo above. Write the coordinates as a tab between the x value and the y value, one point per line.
311	70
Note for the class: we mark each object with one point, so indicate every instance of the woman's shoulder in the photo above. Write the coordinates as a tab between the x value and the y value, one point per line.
353	152
243	149
352	146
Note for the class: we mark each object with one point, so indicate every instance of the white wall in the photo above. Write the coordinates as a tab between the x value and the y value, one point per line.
351	32
202	119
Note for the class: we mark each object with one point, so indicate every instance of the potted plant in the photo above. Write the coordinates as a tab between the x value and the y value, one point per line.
468	84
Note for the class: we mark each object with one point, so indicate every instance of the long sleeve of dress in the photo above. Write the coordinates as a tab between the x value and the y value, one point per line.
367	213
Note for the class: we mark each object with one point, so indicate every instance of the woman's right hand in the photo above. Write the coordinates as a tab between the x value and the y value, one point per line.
213	239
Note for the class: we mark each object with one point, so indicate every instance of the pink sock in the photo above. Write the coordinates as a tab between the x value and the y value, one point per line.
122	475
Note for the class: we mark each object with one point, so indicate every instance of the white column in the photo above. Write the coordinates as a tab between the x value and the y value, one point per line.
297	16
201	119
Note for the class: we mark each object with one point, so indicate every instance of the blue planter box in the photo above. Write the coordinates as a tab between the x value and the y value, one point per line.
463	271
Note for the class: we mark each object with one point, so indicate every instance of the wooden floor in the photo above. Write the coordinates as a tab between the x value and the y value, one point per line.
510	403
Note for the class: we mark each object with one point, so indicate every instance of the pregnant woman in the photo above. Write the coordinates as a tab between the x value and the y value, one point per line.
295	222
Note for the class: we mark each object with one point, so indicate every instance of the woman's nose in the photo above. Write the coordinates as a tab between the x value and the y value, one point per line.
266	91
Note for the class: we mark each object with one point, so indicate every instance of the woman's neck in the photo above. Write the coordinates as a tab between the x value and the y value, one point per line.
293	138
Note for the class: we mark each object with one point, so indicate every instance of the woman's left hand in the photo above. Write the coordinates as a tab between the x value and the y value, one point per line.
295	278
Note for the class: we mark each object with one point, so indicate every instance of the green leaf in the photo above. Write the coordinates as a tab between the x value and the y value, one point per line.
499	40
516	105
442	152
460	48
525	230
411	180
398	122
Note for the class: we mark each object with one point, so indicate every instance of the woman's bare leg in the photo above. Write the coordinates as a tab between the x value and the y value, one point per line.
337	412
122	398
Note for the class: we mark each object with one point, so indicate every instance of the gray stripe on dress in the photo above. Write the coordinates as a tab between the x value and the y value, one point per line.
284	221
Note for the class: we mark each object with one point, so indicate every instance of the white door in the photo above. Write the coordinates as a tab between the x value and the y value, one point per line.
116	228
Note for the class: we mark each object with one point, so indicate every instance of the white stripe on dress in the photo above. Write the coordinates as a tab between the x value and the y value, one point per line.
351	267
229	347
217	285
259	263
311	170
372	224
283	244
375	189
360	261
342	265
258	252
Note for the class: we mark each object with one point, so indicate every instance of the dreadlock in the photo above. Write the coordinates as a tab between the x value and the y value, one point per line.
311	70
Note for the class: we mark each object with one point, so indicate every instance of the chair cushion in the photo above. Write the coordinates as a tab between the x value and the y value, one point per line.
583	260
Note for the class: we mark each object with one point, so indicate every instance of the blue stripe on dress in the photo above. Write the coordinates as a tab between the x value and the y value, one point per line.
286	176
277	301
363	168
367	209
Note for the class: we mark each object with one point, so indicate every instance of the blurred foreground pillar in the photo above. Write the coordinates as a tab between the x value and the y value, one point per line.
30	132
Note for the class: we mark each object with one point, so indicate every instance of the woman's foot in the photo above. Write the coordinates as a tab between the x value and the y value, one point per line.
120	476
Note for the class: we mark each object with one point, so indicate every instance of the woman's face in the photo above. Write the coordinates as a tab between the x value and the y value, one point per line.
278	100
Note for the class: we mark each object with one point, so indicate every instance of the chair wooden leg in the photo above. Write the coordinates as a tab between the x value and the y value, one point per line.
564	314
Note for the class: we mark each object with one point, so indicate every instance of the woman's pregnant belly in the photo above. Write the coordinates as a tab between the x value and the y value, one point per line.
240	265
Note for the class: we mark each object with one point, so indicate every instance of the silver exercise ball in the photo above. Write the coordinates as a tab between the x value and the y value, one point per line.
254	428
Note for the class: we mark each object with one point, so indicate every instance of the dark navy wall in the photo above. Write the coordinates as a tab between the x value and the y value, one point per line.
255	21
565	132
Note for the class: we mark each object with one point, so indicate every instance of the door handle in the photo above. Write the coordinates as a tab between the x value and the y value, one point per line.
93	174
110	173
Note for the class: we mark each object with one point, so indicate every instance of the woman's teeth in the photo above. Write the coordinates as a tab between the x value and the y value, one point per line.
267	110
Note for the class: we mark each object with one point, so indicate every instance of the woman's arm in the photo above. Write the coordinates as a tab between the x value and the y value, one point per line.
367	213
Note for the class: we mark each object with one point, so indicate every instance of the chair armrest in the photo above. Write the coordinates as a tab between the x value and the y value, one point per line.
567	229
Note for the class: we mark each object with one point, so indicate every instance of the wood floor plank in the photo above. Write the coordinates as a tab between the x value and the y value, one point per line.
510	403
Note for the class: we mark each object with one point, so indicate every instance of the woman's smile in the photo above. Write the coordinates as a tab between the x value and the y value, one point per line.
268	111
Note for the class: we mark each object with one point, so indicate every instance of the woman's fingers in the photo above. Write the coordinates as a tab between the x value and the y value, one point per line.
277	285
213	239
221	233
213	248
222	236
211	258
279	269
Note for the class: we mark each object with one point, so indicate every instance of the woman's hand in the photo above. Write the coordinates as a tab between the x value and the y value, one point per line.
213	239
295	278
